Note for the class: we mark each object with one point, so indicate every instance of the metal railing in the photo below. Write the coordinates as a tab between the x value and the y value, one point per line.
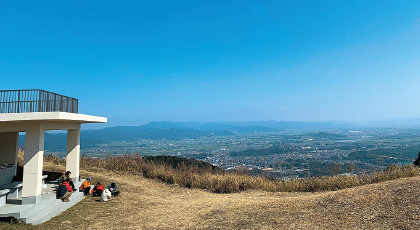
36	100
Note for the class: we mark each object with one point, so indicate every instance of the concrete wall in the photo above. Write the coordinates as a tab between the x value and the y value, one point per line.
9	142
6	175
8	147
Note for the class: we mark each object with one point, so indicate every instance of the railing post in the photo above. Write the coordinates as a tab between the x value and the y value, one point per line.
18	109
55	103
39	102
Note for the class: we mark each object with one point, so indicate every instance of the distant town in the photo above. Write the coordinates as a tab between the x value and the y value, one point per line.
277	154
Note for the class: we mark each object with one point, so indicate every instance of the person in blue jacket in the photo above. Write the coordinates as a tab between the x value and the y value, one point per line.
113	189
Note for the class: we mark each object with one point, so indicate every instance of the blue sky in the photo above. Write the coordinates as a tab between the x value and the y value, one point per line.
138	61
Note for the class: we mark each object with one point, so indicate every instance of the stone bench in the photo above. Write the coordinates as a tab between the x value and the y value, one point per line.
3	196
14	189
43	179
11	190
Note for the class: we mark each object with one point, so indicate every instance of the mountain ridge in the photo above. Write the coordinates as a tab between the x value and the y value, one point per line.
169	130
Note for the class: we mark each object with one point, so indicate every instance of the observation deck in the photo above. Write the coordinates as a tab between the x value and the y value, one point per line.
35	111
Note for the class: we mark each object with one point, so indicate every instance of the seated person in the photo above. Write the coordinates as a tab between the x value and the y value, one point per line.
66	176
97	190
105	195
85	187
113	189
64	191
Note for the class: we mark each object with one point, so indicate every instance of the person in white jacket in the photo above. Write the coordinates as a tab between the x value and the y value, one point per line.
106	194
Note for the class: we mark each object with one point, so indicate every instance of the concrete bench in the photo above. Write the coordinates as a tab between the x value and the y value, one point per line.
43	179
3	196
14	189
11	190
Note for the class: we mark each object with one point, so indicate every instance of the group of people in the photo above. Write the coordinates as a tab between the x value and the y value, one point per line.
66	188
98	190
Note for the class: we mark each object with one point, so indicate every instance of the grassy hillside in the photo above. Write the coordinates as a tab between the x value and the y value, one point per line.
215	180
148	204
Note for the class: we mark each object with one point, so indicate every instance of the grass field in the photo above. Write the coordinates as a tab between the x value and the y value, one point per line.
220	181
149	204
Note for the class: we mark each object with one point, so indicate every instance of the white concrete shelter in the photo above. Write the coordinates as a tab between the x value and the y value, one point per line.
47	111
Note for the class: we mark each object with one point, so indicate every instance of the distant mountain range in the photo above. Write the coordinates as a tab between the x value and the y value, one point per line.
181	130
249	126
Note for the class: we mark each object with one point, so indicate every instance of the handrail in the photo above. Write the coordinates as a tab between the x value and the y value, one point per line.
36	100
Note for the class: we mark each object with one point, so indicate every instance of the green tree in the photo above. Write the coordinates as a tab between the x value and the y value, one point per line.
417	161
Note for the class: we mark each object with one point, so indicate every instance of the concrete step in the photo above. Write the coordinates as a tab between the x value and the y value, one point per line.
50	209
46	201
49	213
14	201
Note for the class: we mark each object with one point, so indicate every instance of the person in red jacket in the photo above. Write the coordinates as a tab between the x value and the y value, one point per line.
97	190
64	191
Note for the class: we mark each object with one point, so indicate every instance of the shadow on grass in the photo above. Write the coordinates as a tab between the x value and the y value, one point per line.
9	220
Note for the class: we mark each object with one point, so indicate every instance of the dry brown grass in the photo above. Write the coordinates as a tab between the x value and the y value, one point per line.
148	204
222	182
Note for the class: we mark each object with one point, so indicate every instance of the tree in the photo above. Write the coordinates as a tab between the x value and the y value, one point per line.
417	161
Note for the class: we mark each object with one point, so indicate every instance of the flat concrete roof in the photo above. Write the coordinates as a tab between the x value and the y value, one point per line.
51	116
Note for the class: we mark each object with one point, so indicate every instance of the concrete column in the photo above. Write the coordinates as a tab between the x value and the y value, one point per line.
33	163
73	153
9	143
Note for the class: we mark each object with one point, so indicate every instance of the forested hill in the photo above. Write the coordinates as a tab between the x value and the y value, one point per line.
249	125
178	162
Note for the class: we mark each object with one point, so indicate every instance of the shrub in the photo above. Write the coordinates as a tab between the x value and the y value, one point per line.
417	161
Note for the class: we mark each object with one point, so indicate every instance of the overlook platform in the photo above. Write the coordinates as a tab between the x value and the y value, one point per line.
51	116
34	112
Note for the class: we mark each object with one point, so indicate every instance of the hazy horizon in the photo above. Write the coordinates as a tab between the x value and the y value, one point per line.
136	62
402	122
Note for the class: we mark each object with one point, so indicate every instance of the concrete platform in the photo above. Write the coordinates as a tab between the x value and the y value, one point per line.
49	206
51	116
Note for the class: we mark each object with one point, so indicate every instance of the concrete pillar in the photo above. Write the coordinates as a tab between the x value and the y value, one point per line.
73	153
33	163
9	143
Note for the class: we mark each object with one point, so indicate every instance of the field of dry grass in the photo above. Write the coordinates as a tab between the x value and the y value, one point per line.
220	181
148	204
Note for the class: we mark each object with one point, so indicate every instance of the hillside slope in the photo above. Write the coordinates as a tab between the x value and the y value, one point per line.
148	204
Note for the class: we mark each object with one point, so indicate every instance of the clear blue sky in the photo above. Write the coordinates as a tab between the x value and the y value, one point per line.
136	61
